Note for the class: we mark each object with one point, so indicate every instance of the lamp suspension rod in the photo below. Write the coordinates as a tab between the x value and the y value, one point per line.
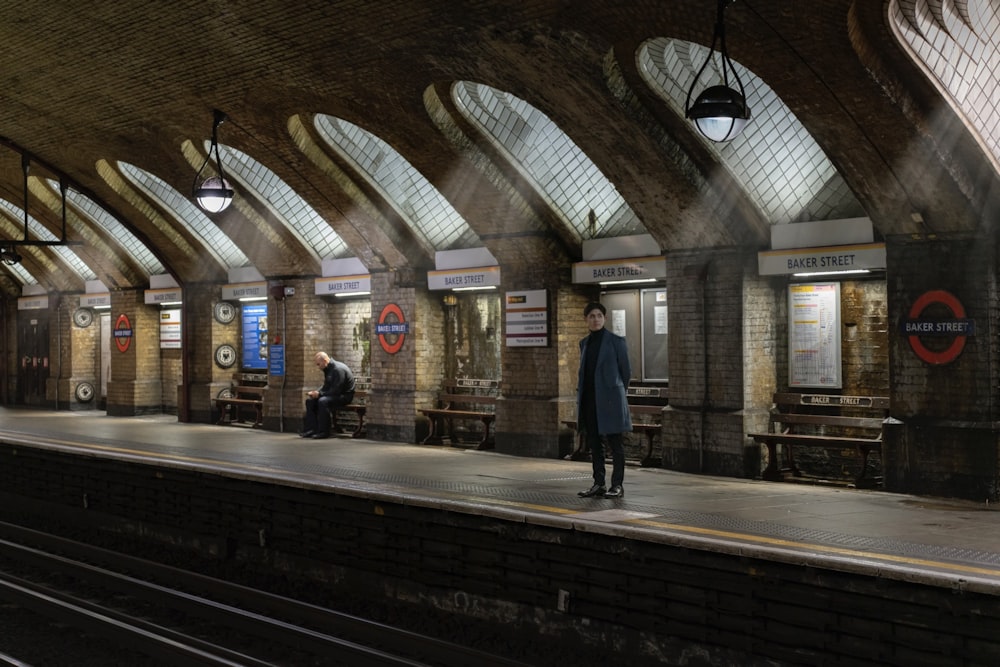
718	35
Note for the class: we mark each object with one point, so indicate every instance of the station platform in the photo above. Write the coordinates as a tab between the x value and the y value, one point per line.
936	540
759	572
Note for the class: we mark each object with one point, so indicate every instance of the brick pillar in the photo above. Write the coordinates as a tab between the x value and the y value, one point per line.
77	361
944	439
135	386
302	323
538	387
406	372
703	427
202	335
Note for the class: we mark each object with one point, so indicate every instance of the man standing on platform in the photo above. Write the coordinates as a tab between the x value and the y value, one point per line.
601	402
337	390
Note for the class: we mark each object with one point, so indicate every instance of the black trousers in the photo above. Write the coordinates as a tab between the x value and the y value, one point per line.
317	416
615	443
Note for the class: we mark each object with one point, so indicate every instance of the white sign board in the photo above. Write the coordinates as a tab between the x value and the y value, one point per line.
821	260
344	284
486	276
814	335
617	270
527	319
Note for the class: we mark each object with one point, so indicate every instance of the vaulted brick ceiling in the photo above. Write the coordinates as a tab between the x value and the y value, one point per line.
389	130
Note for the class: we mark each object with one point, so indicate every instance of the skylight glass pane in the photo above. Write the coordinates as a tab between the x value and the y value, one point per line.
303	220
958	43
774	137
20	273
97	215
37	230
570	182
214	242
415	199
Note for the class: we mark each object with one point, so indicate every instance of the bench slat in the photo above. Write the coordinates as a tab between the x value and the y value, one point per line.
462	398
242	395
645	404
827	420
854	413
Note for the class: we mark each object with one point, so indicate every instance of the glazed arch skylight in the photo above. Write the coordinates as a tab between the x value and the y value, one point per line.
38	231
286	204
957	43
775	159
563	175
214	242
125	238
413	197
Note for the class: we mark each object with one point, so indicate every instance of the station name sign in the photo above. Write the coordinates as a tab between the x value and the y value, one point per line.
100	300
611	270
343	284
237	291
815	260
39	302
165	295
485	276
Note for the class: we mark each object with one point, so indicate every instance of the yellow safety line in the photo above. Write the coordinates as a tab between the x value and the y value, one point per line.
745	537
840	551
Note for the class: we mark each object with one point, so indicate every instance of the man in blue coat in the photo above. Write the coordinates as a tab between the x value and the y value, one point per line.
601	403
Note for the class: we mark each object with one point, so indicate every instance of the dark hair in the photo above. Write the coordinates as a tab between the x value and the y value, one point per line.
593	305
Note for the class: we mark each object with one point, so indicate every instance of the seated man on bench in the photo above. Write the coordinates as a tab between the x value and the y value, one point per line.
337	390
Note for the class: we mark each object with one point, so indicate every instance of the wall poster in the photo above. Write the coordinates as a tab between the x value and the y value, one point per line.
814	335
254	357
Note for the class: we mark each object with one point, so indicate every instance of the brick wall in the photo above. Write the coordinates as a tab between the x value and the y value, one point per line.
944	440
703	425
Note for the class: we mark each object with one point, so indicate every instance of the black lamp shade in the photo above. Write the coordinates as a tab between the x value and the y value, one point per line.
214	195
720	113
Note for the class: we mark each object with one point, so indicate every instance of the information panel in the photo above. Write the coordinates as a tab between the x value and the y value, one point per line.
254	336
527	319
814	335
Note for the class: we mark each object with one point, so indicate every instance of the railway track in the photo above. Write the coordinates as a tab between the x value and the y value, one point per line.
177	617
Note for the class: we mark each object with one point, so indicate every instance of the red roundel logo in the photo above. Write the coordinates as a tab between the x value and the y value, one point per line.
391	328
123	333
948	332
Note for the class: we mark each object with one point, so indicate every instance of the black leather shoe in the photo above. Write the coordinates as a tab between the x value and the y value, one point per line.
615	492
595	490
306	434
320	436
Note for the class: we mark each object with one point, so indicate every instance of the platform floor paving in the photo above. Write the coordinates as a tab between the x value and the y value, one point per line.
942	542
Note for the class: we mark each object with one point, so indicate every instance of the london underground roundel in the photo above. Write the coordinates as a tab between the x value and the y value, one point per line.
123	333
937	328
392	328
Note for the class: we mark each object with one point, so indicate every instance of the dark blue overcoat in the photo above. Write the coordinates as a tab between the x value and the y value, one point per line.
611	377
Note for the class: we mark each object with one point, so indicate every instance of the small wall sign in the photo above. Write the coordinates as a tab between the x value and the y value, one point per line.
392	328
123	333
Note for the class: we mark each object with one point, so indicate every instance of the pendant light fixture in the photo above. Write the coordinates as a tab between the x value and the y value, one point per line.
214	194
720	112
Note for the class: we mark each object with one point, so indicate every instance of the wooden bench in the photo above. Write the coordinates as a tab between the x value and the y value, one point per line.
358	406
463	399
823	420
645	404
239	397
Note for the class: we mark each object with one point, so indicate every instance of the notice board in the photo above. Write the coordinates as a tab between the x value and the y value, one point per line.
814	335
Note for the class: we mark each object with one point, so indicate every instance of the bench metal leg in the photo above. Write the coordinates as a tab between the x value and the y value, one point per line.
773	471
486	442
360	431
582	452
434	436
648	461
